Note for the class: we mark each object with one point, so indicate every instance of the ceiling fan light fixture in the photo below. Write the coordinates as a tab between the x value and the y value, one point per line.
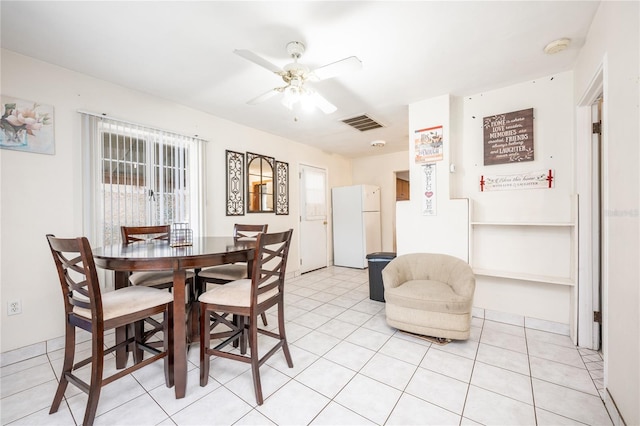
291	96
295	76
307	100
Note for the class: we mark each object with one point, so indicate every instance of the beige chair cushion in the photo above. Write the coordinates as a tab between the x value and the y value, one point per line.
230	272
128	300
236	293
154	278
430	266
429	294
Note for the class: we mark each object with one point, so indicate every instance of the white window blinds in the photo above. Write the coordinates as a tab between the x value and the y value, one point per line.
136	175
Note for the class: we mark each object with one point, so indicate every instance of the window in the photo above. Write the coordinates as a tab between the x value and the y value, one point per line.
139	176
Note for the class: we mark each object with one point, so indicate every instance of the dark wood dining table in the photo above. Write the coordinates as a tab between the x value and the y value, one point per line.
160	256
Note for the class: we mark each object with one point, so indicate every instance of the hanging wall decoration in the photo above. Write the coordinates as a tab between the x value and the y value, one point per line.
26	126
508	138
260	183
429	187
531	180
235	183
428	144
282	188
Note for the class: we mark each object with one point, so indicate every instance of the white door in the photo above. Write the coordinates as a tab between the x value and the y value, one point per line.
313	218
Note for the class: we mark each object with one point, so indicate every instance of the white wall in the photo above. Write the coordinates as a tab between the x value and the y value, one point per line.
380	170
447	231
613	45
533	250
551	98
41	194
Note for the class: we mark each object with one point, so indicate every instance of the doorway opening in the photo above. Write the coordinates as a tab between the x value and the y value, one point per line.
403	193
403	186
591	156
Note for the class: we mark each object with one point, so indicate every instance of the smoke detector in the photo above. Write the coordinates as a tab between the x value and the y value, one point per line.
378	144
557	46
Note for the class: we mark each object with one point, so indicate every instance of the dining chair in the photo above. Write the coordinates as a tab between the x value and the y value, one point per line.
247	299
222	274
155	279
88	308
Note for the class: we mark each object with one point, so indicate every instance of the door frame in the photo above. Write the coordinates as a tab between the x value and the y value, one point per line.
587	290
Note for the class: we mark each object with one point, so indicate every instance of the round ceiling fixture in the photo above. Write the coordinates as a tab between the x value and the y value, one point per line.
378	144
557	46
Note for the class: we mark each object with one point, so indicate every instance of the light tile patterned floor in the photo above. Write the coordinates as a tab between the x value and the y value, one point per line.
350	368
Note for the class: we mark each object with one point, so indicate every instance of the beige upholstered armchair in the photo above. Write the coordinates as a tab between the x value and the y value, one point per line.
429	294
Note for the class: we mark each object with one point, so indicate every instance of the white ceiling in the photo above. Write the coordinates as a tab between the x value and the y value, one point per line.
183	51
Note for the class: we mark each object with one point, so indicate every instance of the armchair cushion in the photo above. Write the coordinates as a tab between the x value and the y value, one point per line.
430	294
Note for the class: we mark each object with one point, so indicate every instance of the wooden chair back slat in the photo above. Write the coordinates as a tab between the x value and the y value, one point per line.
270	263
248	231
77	274
132	234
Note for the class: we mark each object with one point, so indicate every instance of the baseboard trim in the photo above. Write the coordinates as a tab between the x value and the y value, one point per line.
522	321
612	408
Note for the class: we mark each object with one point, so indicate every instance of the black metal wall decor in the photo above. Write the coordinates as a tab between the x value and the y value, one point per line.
266	180
282	188
235	183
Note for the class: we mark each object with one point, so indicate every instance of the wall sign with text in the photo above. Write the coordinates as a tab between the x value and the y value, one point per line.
430	187
508	137
530	180
428	144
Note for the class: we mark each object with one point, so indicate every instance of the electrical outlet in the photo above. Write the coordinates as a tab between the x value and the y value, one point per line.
14	307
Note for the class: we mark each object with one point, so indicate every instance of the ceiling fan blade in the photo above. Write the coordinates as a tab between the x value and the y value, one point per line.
349	64
256	59
271	93
323	104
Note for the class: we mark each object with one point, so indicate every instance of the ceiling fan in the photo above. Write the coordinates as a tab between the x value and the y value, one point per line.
296	76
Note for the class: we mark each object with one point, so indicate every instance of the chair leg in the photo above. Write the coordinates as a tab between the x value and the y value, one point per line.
255	359
283	336
169	360
67	366
138	336
236	343
205	336
264	319
95	386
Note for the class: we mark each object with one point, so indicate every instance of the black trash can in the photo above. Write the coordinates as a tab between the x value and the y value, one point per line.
377	262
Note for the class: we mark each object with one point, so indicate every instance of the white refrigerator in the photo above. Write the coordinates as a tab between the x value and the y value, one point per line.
356	224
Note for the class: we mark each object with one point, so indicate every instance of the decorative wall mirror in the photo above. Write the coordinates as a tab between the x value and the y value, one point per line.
260	183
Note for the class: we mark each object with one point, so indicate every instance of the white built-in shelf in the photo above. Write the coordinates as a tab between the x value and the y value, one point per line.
557	228
524	277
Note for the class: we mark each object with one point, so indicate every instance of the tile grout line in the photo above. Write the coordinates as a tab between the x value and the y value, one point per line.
533	393
475	359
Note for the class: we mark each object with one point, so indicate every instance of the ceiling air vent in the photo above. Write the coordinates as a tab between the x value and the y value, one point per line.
362	123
